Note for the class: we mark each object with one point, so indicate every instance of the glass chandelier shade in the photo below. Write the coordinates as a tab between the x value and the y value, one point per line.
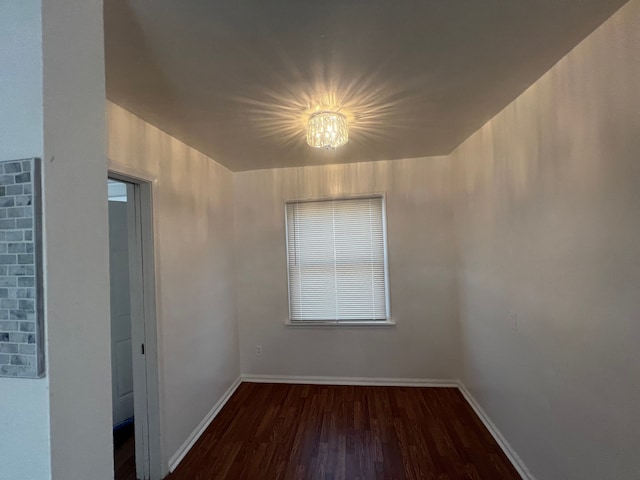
327	130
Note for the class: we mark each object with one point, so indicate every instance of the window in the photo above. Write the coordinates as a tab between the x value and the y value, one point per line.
336	254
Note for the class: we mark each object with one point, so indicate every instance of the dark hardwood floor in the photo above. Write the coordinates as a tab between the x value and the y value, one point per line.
276	431
124	453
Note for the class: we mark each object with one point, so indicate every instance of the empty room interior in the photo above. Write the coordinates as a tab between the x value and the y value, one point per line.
354	240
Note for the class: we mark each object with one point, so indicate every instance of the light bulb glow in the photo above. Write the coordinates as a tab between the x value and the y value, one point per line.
327	130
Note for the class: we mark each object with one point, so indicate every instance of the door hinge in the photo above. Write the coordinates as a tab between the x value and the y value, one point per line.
142	349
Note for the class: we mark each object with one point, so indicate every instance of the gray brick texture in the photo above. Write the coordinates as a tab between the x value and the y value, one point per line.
19	329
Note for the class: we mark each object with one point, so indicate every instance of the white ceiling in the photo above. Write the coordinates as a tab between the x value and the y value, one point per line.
236	79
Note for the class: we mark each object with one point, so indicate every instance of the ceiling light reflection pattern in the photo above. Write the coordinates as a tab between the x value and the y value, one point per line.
369	104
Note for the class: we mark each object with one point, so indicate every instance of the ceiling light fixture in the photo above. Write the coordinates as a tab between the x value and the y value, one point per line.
327	130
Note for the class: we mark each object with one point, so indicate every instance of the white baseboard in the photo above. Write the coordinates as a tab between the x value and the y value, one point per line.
365	381
513	457
177	457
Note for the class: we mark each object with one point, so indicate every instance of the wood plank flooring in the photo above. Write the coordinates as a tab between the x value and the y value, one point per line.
276	431
124	453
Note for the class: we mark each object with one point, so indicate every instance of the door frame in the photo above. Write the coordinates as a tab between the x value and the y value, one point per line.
145	329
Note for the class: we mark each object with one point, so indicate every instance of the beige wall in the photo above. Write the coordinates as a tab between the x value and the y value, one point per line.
21	125
547	213
193	216
21	79
52	90
76	267
423	344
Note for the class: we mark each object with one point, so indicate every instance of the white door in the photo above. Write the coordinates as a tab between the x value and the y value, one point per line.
121	351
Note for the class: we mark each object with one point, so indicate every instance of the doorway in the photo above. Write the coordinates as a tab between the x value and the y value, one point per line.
135	407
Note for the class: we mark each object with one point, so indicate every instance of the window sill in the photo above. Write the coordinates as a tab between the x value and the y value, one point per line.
341	324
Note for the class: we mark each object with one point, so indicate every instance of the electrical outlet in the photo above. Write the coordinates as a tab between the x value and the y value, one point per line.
513	320
258	350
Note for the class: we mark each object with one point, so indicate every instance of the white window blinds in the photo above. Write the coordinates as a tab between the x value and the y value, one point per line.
336	251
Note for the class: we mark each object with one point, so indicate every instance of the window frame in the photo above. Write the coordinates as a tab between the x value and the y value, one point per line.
389	321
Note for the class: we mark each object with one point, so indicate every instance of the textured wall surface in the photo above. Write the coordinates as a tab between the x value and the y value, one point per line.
547	209
21	322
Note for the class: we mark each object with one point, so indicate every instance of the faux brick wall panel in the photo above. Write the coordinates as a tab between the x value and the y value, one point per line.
21	313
